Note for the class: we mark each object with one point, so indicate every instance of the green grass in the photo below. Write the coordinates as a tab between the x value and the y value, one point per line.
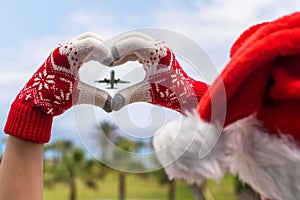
138	188
224	190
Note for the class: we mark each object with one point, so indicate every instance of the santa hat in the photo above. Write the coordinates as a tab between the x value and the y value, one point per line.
248	122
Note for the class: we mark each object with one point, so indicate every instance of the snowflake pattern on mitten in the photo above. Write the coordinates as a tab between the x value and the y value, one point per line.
170	86
55	87
51	88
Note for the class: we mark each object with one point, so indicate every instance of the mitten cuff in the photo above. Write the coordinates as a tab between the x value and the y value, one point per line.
28	123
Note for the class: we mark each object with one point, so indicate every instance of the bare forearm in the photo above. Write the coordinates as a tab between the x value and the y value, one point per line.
21	170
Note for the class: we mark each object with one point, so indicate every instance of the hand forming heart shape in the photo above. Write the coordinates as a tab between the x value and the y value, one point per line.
56	85
165	83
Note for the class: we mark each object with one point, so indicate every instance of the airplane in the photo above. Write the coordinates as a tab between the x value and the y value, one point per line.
112	81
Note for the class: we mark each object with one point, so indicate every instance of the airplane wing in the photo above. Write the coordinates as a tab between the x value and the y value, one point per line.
103	81
121	81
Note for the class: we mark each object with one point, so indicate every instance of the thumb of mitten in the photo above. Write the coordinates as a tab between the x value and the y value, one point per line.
90	95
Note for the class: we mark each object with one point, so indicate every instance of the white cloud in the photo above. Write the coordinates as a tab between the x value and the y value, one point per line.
82	21
216	24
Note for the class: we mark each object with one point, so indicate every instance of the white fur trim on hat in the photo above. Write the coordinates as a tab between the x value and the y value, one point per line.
194	150
269	163
186	148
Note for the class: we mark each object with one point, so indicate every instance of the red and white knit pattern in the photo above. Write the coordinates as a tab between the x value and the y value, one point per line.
48	93
170	86
51	87
56	86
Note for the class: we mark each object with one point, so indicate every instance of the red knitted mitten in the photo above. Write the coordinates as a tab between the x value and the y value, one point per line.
165	83
55	87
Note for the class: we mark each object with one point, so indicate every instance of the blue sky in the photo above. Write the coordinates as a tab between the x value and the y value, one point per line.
31	29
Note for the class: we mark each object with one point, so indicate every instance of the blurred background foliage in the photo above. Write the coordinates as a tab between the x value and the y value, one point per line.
70	173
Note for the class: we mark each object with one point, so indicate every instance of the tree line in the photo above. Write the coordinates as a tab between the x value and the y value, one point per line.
67	163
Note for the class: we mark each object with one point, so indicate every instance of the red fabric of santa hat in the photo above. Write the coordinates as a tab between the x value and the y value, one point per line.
262	77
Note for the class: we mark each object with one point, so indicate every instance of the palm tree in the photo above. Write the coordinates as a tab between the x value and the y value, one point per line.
197	191
70	164
107	132
129	146
162	178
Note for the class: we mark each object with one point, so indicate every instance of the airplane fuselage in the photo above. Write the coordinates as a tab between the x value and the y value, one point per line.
112	79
